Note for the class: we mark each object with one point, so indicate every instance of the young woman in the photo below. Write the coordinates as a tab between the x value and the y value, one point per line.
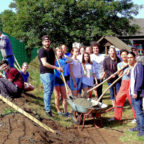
25	75
81	50
75	68
88	73
59	88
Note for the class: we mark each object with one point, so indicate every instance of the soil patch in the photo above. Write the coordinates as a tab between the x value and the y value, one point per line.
17	129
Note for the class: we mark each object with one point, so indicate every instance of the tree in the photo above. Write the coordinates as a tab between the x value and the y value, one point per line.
66	21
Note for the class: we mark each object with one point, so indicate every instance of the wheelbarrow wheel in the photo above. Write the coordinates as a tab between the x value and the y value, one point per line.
76	119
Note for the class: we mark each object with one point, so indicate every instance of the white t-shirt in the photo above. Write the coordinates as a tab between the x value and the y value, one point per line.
98	64
79	57
88	72
77	68
132	82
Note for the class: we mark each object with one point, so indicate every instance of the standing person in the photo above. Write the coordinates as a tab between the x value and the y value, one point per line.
25	75
66	55
13	85
98	60
88	73
59	88
89	50
75	68
81	50
6	49
110	67
124	89
137	91
47	65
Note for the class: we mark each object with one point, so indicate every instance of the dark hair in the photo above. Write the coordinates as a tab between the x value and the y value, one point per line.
94	44
45	37
83	61
4	62
124	50
132	53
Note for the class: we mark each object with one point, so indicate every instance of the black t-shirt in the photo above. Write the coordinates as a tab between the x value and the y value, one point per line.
50	57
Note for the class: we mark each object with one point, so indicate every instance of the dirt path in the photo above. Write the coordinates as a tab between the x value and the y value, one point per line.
17	129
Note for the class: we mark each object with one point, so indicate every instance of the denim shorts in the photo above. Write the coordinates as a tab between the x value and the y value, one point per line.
59	82
78	82
85	86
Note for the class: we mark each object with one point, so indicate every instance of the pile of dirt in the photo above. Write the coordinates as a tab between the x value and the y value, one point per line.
17	129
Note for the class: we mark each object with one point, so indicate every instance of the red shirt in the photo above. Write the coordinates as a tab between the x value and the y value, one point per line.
16	77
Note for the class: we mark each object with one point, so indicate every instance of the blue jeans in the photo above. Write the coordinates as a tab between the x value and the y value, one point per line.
11	61
117	86
48	82
137	105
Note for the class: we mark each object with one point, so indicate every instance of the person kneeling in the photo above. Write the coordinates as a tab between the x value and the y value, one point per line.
13	85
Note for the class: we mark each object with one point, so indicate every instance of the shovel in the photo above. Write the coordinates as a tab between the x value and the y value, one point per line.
85	94
109	88
63	78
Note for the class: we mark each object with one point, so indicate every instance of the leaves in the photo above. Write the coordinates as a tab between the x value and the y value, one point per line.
66	21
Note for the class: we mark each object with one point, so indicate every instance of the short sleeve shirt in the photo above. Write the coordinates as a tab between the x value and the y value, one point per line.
50	58
120	66
25	76
62	64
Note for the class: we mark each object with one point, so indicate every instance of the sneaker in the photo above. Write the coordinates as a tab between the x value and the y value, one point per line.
49	114
133	121
66	114
112	119
135	129
141	133
60	113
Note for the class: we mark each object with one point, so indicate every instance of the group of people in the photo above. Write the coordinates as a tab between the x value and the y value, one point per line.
12	81
83	68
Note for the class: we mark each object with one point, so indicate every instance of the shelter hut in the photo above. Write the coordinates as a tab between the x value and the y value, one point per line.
106	41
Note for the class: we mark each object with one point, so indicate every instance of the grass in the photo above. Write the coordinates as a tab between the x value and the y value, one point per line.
35	103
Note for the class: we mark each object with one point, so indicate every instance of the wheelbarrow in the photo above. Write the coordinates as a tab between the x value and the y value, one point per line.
93	110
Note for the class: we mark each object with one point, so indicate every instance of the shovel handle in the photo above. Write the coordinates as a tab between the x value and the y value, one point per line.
110	87
61	73
106	79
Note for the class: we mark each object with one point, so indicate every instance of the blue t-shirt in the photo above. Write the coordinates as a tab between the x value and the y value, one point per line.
121	65
62	63
25	76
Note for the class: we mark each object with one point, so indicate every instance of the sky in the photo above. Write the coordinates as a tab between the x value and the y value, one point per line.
5	5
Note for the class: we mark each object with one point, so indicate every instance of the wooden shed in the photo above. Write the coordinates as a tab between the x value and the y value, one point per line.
106	41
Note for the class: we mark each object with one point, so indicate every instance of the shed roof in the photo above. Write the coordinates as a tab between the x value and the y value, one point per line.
111	40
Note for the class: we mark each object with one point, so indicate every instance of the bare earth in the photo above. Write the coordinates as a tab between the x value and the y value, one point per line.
17	129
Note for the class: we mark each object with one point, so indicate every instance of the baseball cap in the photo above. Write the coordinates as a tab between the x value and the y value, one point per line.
45	37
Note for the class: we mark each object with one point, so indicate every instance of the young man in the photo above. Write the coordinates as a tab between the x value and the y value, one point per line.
6	49
13	85
98	60
124	89
110	67
47	65
137	91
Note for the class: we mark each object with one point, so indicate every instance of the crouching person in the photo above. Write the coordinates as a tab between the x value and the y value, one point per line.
13	85
25	76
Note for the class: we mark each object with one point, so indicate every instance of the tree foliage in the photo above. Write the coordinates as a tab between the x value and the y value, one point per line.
66	21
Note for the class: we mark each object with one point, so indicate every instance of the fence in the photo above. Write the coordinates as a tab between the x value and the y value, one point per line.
20	51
